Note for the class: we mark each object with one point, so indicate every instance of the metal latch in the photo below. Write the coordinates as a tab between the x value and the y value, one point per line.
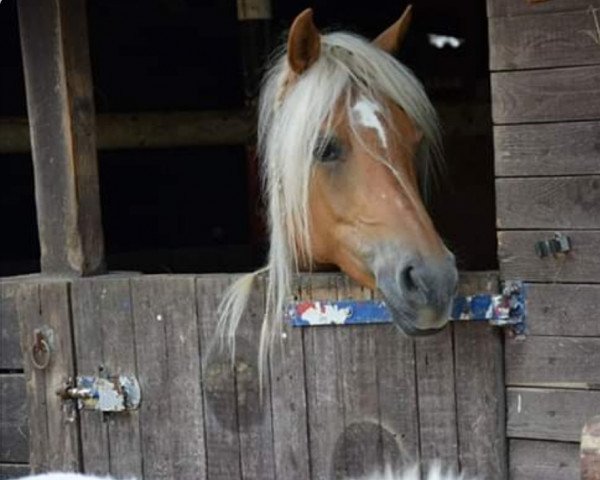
105	394
559	244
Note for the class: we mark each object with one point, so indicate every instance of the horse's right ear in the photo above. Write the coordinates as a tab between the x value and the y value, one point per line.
391	40
304	42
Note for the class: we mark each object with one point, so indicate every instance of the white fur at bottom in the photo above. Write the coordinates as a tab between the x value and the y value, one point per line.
434	473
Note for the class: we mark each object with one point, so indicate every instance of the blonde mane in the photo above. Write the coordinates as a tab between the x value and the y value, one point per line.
291	121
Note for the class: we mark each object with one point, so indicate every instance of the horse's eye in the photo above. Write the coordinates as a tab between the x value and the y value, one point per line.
328	150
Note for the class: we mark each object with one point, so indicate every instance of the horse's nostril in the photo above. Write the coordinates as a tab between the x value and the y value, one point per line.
408	279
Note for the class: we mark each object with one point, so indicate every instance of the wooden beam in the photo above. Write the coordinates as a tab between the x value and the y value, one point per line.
60	107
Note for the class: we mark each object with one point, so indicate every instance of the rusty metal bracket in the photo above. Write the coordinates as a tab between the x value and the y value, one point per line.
105	394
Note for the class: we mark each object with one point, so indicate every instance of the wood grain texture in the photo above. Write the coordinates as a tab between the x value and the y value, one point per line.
533	460
549	414
546	40
103	326
518	259
553	361
53	424
565	202
547	149
14	426
590	449
168	364
288	402
13	470
219	392
569	310
437	398
55	52
497	8
10	349
546	95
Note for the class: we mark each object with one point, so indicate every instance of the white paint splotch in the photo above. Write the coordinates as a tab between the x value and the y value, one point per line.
325	314
365	113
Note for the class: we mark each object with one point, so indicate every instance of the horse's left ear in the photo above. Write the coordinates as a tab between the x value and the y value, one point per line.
304	42
391	40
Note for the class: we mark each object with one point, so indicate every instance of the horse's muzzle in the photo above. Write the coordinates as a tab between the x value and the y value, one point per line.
418	291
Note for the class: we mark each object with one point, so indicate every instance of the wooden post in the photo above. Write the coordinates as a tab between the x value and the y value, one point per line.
255	33
60	106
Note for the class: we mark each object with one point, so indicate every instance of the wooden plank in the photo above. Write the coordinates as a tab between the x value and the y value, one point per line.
497	8
53	424
549	414
220	403
55	52
118	131
13	470
479	384
565	202
14	428
534	459
563	362
103	327
10	350
556	309
546	95
324	387
437	398
546	40
518	259
168	364
288	402
547	149
253	407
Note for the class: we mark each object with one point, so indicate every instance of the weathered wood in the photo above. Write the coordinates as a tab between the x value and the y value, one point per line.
53	424
497	8
534	460
563	310
563	362
437	398
10	350
253	406
14	428
220	404
479	385
517	257
590	449
548	149
324	387
168	364
549	414
55	56
546	95
288	402
104	340
13	470
546	40
565	202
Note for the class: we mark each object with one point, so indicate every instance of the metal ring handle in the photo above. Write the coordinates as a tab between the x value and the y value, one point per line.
40	346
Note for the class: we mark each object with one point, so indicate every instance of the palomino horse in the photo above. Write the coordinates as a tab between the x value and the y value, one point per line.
345	134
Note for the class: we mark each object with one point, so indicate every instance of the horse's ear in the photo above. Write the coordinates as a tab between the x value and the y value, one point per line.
391	40
304	42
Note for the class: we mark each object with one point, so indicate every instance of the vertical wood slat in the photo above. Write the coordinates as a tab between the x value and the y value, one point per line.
103	324
479	384
54	430
220	405
168	364
10	349
60	107
14	431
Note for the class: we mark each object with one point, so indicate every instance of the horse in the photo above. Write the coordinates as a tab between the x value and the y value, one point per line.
348	141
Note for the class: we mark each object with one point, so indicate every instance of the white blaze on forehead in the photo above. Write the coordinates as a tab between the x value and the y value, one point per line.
365	112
